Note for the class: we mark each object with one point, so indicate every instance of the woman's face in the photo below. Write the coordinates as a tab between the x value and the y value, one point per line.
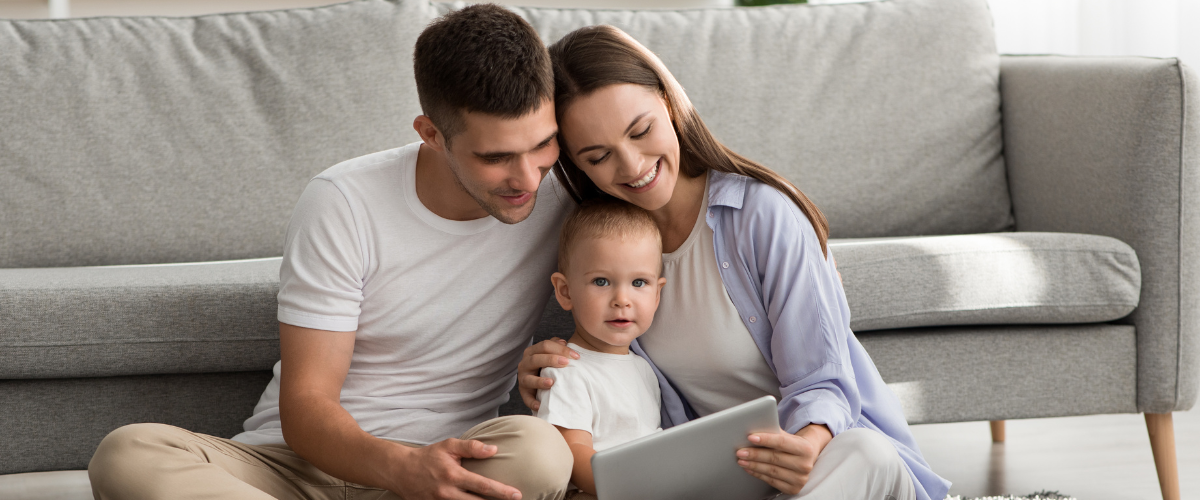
622	137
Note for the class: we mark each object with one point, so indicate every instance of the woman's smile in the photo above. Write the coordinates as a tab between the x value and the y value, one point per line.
646	181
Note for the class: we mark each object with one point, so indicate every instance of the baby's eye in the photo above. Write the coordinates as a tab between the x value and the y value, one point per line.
600	282
639	283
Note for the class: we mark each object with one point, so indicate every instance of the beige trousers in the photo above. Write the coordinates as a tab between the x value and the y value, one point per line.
156	461
859	464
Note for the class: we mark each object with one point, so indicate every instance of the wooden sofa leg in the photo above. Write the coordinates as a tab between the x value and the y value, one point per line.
1162	443
997	431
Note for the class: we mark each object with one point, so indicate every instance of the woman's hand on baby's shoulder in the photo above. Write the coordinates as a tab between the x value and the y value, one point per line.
552	353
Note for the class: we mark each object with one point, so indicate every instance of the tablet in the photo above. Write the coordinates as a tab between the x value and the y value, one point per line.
691	461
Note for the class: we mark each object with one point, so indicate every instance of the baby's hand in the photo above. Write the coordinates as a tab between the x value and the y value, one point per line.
547	353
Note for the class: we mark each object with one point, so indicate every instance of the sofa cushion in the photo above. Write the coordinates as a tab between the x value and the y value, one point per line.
143	140
886	113
220	316
1001	278
128	320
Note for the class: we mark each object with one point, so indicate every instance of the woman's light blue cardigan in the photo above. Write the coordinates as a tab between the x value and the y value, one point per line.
790	298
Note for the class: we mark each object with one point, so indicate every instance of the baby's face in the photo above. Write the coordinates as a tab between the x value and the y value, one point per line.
613	285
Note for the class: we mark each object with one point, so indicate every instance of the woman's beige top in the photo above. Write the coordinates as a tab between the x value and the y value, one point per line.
698	339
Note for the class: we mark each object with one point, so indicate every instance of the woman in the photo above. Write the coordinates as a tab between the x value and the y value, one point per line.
753	304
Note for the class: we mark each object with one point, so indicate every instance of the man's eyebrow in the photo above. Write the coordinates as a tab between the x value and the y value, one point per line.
499	155
627	129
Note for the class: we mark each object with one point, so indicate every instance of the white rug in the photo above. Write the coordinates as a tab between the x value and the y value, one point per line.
1040	495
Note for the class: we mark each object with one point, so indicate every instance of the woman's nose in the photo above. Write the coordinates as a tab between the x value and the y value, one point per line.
631	161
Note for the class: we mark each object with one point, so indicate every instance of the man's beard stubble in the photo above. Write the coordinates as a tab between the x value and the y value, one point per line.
491	208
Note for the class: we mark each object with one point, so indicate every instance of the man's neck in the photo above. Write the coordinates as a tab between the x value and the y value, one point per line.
440	191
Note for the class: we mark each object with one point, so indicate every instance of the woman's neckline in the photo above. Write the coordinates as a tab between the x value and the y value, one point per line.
697	228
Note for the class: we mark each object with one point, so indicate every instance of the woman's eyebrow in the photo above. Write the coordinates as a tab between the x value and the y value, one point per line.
627	129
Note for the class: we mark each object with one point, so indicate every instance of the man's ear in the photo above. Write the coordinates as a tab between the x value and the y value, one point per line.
561	291
429	133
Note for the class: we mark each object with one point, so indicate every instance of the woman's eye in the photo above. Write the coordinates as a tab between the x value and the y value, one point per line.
639	283
597	160
600	282
644	132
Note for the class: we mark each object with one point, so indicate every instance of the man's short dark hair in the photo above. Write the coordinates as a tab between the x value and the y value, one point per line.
483	59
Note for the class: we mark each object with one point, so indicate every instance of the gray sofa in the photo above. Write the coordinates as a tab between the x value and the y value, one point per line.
1018	236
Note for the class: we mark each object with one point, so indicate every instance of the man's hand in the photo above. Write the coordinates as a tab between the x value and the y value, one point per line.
436	472
785	460
547	353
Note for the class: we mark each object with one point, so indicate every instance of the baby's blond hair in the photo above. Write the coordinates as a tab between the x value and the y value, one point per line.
603	218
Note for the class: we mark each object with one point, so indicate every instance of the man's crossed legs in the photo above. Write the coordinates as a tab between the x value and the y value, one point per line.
154	461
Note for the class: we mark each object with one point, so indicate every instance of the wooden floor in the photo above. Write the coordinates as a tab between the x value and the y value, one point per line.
1100	457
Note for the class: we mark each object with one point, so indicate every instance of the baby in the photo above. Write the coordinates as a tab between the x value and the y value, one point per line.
610	263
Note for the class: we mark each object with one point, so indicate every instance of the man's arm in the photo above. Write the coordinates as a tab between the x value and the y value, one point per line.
314	364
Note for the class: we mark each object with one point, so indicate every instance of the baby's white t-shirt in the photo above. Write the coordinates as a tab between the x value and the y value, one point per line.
442	309
613	396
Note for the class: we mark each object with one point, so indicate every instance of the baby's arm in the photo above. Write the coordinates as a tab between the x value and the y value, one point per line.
581	449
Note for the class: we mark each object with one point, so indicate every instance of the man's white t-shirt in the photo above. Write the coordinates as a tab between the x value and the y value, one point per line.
615	397
442	309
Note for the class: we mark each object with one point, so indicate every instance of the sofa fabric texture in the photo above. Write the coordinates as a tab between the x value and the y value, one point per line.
204	130
982	279
956	374
190	139
71	416
220	316
1127	169
138	320
887	113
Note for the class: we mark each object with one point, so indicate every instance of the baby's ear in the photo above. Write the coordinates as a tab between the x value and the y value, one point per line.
561	291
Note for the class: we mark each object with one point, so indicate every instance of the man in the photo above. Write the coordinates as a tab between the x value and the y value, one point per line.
404	306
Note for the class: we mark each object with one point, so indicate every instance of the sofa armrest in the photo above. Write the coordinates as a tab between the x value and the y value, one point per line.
1111	146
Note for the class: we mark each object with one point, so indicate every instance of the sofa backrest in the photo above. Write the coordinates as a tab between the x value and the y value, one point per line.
145	140
155	139
886	113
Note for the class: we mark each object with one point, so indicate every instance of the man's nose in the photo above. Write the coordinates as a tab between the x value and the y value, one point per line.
527	175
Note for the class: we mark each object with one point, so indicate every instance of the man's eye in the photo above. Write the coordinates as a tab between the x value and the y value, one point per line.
639	283
600	282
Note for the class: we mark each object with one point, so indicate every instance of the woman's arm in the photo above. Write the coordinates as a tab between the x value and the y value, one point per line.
581	449
794	287
790	294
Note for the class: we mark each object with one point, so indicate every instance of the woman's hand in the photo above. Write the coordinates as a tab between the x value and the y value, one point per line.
785	460
547	353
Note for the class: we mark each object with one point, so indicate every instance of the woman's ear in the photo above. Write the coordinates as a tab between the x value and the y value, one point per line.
561	291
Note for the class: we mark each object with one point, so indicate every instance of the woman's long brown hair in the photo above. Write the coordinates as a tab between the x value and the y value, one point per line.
594	57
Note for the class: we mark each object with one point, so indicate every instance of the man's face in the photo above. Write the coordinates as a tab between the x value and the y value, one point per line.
500	162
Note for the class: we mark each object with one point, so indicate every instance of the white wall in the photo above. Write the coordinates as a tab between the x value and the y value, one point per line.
1159	28
26	9
1162	28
